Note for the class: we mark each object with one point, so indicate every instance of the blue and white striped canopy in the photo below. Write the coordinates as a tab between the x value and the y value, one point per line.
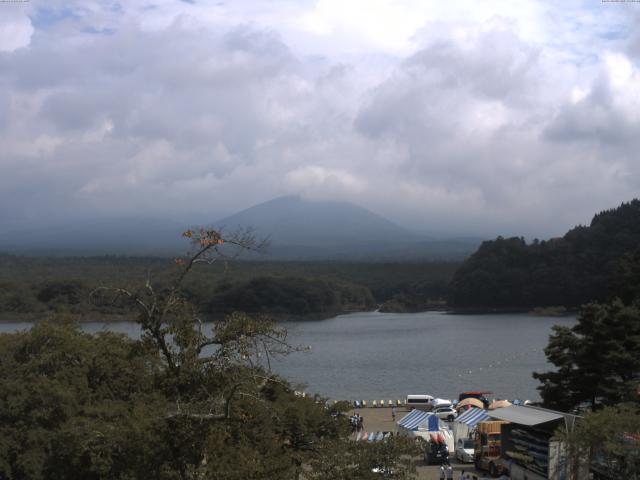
414	419
473	416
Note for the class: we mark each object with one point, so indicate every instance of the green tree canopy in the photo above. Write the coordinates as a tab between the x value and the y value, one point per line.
597	360
188	400
611	439
589	263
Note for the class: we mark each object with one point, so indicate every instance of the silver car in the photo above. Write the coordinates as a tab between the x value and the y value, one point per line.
464	450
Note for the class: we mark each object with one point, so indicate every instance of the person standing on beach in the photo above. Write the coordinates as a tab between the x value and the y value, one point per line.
393	413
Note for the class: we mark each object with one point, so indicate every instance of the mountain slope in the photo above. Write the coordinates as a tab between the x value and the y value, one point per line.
118	236
298	229
593	263
297	222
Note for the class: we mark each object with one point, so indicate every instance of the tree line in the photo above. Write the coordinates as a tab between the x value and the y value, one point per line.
598	262
37	286
597	360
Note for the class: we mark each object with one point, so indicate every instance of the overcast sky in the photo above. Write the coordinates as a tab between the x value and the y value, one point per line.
493	117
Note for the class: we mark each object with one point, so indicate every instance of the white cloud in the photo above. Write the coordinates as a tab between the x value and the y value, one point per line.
475	117
319	182
15	27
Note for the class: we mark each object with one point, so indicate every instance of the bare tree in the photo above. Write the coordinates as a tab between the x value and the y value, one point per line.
193	349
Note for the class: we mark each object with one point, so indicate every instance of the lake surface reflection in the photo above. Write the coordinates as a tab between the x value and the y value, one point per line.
376	355
381	355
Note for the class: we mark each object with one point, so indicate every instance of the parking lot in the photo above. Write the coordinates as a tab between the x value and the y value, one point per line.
379	420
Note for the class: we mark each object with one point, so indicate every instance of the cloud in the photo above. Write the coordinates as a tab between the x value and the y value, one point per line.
15	27
477	112
607	112
454	117
320	182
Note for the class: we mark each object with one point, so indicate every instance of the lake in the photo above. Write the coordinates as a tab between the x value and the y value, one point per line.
373	355
376	355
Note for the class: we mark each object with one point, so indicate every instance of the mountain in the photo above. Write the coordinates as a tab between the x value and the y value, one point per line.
108	236
589	263
297	229
292	220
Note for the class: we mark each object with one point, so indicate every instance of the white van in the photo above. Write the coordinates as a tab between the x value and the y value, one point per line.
421	402
440	402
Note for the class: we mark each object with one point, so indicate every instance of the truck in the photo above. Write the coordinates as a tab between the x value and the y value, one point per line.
560	466
487	448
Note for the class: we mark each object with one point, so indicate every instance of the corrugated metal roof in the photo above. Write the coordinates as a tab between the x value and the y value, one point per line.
525	415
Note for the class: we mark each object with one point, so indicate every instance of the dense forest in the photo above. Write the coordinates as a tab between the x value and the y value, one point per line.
290	295
167	405
37	286
590	263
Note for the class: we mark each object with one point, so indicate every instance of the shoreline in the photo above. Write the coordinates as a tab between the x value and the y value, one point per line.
120	318
286	317
536	311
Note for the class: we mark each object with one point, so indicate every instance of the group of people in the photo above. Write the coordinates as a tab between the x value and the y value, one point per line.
357	423
446	472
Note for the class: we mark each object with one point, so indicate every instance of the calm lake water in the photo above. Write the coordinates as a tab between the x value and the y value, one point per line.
376	355
383	355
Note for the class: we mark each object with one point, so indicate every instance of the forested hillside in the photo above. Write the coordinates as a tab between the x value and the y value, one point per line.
37	286
290	295
590	263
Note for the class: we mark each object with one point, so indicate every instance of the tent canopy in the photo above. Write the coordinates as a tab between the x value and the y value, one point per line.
416	418
474	402
499	404
472	417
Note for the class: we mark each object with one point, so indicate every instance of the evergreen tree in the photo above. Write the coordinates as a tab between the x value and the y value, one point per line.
610	438
597	360
594	263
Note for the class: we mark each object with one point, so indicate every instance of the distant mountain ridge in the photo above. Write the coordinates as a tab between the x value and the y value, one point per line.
105	236
306	229
297	229
292	220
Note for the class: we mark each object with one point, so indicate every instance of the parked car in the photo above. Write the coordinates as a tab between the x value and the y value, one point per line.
440	402
421	402
446	413
464	450
436	454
